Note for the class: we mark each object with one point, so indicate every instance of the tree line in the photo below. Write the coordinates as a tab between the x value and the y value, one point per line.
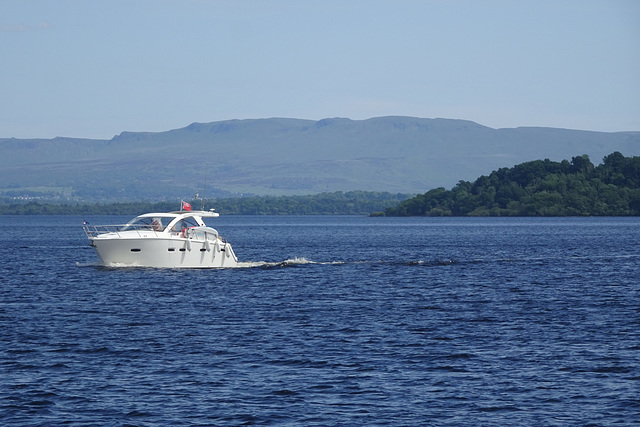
336	203
538	188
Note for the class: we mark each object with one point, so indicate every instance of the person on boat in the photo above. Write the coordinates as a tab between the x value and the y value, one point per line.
180	226
156	224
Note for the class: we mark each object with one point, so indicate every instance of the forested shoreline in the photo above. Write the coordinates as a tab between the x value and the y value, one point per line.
336	203
538	188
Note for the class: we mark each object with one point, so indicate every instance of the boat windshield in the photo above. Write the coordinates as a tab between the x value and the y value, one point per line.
155	223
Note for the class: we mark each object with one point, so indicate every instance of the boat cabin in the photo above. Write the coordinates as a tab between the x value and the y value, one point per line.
173	222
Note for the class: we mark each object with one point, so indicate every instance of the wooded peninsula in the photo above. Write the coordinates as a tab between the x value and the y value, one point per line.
538	188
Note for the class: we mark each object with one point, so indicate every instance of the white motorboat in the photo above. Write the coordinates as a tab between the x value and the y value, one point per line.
178	239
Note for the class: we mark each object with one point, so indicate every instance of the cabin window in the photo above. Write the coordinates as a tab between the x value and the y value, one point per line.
135	250
155	223
184	223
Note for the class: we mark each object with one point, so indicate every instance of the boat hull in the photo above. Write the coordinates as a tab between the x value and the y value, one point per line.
163	252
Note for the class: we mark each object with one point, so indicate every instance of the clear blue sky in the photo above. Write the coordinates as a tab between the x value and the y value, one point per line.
96	68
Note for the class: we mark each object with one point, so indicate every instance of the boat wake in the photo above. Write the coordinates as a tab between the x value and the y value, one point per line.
302	261
286	263
293	262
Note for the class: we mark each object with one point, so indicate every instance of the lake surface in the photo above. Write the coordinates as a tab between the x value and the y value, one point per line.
331	321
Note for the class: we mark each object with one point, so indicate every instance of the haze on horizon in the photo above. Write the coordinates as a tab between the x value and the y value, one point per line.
94	69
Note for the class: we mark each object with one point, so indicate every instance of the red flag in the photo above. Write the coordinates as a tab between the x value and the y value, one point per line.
186	206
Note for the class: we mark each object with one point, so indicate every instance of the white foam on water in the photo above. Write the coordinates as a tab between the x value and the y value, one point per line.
242	264
292	261
285	263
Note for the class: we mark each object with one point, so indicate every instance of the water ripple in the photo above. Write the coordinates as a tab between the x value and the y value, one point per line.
484	323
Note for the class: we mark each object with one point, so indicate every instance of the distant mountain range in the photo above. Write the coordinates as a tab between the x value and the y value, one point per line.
280	156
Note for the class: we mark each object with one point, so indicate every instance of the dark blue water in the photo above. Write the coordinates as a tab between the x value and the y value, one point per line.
377	321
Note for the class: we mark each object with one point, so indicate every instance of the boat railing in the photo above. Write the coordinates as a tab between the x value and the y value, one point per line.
94	230
196	233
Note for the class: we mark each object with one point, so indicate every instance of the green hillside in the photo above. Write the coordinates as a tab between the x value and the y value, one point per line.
283	157
538	188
